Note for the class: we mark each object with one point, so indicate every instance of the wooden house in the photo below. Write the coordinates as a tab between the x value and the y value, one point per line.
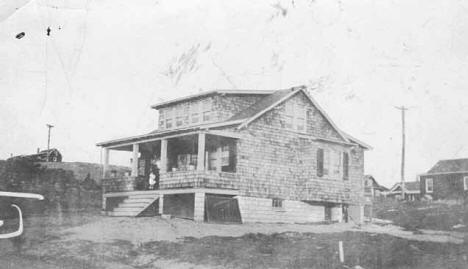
241	156
372	189
50	155
447	180
412	192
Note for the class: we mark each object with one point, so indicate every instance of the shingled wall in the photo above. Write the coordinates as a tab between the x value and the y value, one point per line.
274	162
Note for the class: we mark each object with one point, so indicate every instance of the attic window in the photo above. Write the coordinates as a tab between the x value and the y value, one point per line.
179	116
207	110
295	116
161	119
195	112
169	118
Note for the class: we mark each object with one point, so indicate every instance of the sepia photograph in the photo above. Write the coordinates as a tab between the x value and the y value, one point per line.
324	134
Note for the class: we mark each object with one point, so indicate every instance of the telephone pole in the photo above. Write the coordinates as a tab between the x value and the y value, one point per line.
48	139
403	141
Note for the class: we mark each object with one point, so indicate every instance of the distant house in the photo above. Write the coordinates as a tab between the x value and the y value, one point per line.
447	179
372	189
412	191
50	155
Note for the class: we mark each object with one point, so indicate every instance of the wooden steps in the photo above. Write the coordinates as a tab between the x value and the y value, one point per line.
134	205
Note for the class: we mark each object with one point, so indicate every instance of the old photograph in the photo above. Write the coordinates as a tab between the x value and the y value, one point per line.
233	134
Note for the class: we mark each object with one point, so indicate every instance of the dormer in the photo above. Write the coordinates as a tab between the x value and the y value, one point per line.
204	108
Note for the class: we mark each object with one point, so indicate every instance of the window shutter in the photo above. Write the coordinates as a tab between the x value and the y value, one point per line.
345	166
319	162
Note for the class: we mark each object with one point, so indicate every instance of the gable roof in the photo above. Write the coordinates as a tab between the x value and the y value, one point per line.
263	105
409	186
449	166
357	141
266	104
209	93
375	184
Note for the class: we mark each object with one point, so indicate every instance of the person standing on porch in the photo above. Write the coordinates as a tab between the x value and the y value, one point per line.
152	180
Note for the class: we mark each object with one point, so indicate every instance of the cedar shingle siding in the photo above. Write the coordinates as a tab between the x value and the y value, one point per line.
277	162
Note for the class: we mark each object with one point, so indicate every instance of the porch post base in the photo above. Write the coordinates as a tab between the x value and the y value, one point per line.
199	204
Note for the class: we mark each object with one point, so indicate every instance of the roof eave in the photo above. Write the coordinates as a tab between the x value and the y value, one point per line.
167	132
208	93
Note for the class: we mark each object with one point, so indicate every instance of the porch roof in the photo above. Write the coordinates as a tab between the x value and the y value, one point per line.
160	134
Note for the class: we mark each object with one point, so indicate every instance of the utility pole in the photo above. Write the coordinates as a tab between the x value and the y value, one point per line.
403	141
48	140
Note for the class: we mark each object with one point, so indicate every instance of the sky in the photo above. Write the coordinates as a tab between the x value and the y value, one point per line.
106	62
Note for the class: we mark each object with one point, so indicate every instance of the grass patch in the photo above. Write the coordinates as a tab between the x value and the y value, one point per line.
417	215
295	250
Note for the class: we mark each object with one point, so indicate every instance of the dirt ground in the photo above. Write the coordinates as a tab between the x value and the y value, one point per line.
94	241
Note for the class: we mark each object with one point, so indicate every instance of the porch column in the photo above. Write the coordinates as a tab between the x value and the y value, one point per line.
136	150
218	158
163	167
199	204
161	204
105	166
201	152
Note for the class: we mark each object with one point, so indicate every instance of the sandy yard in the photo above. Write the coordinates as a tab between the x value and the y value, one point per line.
109	229
94	241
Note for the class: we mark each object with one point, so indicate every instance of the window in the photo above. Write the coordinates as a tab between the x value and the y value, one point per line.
195	112
179	116
212	160
336	163
301	116
465	183
185	114
289	117
320	154
277	203
429	185
206	110
168	116
345	166
161	119
295	116
225	156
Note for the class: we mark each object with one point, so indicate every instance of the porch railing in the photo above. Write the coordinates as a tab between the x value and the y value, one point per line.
119	184
199	179
175	180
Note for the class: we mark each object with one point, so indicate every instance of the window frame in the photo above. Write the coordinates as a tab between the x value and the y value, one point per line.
162	120
345	163
427	185
277	203
320	155
206	110
169	115
465	183
195	110
300	115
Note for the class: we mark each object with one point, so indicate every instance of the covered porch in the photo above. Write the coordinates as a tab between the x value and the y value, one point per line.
197	159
